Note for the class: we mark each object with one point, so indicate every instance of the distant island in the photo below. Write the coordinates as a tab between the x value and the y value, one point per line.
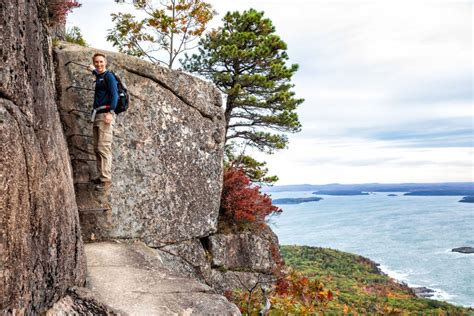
441	192
463	250
467	199
296	200
378	187
340	192
392	194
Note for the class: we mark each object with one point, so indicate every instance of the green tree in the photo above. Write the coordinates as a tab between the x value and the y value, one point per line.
174	26
247	62
74	35
254	169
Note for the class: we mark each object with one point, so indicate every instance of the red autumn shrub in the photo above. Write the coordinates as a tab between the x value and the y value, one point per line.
59	9
242	201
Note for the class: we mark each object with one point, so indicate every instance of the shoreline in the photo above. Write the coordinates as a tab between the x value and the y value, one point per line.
420	291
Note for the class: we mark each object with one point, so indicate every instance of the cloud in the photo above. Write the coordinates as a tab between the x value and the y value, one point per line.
387	86
452	132
357	160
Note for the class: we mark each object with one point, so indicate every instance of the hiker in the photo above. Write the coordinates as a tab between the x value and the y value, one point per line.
105	102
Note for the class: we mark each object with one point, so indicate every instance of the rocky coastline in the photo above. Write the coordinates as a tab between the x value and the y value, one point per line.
419	291
423	292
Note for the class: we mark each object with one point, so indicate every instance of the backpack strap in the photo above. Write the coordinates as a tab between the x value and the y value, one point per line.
107	84
105	78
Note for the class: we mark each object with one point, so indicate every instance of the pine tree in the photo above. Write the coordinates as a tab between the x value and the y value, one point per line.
246	60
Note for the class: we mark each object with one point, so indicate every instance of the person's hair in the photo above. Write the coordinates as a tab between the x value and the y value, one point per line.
98	54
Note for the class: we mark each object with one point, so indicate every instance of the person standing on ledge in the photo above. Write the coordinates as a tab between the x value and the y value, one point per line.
103	117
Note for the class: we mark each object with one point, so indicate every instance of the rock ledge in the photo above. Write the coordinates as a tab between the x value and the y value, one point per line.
131	278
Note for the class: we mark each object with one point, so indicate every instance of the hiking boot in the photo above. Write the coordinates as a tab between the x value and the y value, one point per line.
103	186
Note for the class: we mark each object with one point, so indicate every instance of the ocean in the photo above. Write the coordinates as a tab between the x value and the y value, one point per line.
411	237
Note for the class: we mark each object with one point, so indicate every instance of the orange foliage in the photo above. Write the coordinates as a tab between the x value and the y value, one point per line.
303	290
293	294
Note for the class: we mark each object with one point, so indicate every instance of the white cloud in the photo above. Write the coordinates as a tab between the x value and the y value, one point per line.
353	160
368	70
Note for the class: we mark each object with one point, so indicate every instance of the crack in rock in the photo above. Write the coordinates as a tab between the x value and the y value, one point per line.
164	85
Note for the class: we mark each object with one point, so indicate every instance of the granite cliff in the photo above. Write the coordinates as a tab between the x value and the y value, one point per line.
167	151
160	219
41	249
168	154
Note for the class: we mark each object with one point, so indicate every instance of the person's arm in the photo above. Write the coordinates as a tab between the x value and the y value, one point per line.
92	68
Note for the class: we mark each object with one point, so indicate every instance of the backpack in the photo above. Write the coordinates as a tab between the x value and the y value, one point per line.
124	98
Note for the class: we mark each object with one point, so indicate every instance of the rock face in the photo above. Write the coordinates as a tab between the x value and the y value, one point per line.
246	250
423	292
81	301
226	261
167	151
137	283
167	177
242	260
41	251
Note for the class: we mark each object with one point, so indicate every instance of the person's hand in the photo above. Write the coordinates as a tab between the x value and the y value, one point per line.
108	118
91	68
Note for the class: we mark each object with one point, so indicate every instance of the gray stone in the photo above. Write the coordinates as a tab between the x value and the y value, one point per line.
41	251
251	250
423	292
193	253
228	281
131	278
81	302
167	151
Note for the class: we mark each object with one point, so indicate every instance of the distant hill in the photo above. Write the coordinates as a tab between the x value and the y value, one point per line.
296	200
378	187
441	193
340	192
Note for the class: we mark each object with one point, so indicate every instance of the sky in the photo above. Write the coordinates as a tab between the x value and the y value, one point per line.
388	86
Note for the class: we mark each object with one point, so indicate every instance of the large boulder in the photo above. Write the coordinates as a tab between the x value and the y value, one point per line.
243	259
224	282
249	250
41	250
81	301
167	151
194	257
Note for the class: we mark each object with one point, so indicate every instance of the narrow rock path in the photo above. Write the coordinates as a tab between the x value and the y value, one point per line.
130	278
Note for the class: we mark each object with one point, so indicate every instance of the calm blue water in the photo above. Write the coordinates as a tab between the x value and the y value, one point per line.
410	236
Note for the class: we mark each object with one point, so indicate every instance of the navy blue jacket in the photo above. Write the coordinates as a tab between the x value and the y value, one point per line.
106	93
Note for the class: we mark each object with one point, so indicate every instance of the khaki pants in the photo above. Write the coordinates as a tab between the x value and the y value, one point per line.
102	134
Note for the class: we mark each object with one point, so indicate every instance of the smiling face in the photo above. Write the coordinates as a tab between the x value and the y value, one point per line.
100	63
